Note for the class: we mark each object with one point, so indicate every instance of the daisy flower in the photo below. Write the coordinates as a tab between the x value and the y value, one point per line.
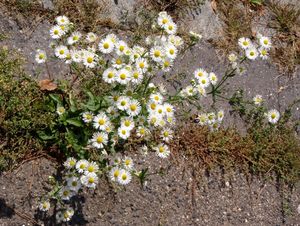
70	163
153	120
214	126
100	121
232	57
171	51
162	151
99	139
134	108
61	52
202	118
87	117
124	177
265	42
273	116
263	53
204	81
40	56
62	20
74	38
142	65
81	165
166	64
201	90
257	100
114	173
76	55
175	40
151	107
128	163
91	37
156	53
169	109
142	131
44	206
160	110
60	110
112	111
74	184
251	53
59	217
213	78
92	167
156	97
137	77
121	47
163	20
123	103
109	75
89	180
106	46
124	133
113	38
89	59
127	123
65	193
123	76
244	43
166	134
199	73
67	214
220	115
211	118
56	32
170	28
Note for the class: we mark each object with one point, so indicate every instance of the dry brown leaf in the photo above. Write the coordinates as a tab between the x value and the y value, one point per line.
47	84
213	5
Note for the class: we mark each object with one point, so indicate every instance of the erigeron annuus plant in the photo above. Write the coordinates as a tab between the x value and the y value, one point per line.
131	108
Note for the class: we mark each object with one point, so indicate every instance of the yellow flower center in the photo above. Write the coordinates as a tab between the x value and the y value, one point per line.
61	52
122	48
153	106
141	65
110	75
123	76
245	43
91	180
118	61
133	107
266	42
101	122
166	133
116	173
123	103
273	116
127	123
161	149
165	20
172	51
106	45
157	53
89	60
124	177
99	140
166	64
56	32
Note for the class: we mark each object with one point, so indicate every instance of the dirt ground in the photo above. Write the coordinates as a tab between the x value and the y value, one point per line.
178	197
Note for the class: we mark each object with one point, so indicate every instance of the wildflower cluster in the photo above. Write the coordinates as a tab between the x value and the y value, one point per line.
212	119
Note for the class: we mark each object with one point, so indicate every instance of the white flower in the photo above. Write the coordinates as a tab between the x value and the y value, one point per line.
128	163
123	103
213	78
123	132
87	117
106	46
263	53
62	20
204	81
114	173
244	43
171	51
211	118
117	63
91	37
170	28
89	59
160	110
40	56
134	108
199	73
123	76
76	55
201	90
156	98
67	214
273	116
112	111
232	57
100	121
265	42
258	99
167	64
74	184
166	134
142	131
109	75
44	206
59	217
56	32
70	163
60	110
157	53
65	193
202	119
163	20
251	53
220	115
175	40
92	167
162	151
89	180
169	109
124	177
61	52
142	65
121	47
74	38
137	77
113	38
127	123
99	139
81	165
195	35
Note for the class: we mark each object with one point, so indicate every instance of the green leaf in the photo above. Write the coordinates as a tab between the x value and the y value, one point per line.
56	98
75	122
42	135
